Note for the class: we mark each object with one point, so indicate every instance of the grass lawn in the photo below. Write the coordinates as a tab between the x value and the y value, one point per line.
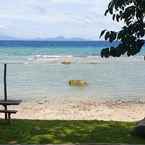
33	131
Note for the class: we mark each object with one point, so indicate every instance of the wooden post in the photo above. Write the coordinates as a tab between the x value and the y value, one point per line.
5	89
5	82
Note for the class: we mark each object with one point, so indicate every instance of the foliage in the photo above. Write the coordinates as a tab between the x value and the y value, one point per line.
132	14
55	132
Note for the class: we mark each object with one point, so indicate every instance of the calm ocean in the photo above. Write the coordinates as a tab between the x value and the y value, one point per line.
38	72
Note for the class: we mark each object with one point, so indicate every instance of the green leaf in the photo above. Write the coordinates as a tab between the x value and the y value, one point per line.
107	35
102	33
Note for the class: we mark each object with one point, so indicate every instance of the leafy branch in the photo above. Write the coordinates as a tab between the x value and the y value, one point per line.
132	13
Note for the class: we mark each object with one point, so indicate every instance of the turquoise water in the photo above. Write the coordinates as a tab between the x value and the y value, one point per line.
38	72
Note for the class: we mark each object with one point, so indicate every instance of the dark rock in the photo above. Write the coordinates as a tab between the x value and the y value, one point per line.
139	130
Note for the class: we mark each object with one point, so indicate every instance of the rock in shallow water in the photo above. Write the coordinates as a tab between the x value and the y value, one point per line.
66	62
79	83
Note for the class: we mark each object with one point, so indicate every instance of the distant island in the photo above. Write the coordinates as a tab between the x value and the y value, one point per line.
61	38
58	38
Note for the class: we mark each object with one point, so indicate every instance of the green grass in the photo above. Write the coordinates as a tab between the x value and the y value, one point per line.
33	131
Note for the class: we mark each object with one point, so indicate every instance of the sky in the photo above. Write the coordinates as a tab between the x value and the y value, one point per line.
32	19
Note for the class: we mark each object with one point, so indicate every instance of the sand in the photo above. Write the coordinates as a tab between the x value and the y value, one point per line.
91	109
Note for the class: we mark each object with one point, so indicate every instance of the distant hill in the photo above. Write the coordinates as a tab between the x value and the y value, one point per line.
58	38
61	38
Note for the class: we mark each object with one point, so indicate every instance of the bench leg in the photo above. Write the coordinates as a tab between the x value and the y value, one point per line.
9	116
6	115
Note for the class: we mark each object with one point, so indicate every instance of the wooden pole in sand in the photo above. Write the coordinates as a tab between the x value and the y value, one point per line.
5	88
5	82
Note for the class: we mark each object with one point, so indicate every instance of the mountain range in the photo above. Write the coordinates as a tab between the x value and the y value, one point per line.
58	38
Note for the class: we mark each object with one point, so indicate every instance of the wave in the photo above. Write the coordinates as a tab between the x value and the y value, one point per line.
90	59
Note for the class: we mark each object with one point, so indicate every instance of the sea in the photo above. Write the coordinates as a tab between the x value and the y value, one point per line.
35	70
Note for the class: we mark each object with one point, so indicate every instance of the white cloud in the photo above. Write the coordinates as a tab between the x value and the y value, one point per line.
48	18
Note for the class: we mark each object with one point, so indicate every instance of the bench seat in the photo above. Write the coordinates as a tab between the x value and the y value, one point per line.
8	113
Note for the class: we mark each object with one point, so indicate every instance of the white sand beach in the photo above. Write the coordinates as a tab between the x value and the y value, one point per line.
65	109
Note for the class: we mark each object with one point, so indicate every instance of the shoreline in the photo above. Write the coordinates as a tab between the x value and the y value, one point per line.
80	110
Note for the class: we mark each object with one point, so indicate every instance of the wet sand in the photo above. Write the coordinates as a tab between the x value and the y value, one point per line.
67	109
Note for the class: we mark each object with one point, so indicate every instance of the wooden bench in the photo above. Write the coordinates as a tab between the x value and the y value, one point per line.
8	112
5	102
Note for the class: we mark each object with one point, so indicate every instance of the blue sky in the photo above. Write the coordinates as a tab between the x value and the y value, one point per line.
30	19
